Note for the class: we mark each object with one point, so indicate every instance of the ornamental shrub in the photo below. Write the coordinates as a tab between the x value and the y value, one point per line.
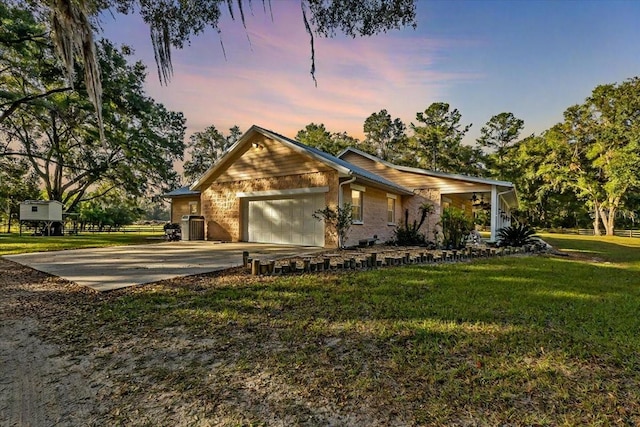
407	234
338	220
516	235
456	225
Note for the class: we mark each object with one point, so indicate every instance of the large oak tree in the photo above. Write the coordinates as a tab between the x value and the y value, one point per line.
595	151
60	136
27	73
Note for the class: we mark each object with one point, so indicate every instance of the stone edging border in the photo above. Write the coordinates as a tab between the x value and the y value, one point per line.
371	260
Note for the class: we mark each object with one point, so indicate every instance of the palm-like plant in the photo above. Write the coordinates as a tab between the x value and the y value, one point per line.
516	235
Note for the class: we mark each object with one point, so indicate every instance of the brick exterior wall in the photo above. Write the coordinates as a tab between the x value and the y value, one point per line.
413	203
374	216
222	209
274	166
180	206
223	214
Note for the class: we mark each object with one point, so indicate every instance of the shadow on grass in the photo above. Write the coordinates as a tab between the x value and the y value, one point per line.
11	244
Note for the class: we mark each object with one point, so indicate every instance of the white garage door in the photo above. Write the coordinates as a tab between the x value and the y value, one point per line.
287	221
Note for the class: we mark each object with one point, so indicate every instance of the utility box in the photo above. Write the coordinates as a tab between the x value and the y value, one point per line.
192	227
41	210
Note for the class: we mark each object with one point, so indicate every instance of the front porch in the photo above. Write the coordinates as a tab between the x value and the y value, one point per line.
497	201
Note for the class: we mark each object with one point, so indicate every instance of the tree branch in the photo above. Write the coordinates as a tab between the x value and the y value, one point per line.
15	104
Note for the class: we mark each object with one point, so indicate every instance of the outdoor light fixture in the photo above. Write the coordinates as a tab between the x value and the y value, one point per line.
256	145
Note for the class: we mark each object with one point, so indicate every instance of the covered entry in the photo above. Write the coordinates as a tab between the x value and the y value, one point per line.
287	219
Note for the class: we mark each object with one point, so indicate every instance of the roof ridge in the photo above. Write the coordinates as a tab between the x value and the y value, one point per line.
422	171
357	170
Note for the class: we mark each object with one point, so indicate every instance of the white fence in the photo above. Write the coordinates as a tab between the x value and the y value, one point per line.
156	228
621	233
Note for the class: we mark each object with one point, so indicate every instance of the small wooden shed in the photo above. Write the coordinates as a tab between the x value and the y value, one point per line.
42	211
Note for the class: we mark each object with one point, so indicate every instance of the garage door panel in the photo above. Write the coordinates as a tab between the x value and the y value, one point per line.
288	221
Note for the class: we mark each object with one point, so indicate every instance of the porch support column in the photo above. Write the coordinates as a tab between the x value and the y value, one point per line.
494	213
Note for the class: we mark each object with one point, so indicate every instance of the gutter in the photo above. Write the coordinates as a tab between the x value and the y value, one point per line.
499	195
340	196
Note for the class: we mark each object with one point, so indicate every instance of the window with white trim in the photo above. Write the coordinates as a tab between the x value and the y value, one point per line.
391	210
357	212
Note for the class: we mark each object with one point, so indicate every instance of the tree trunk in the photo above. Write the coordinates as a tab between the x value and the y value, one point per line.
608	219
596	220
612	224
9	218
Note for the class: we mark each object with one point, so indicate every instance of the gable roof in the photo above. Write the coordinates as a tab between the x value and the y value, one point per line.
342	166
459	177
182	191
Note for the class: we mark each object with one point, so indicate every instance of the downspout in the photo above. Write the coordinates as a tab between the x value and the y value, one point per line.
340	202
340	197
498	195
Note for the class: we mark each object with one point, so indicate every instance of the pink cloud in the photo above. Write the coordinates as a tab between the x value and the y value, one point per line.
267	82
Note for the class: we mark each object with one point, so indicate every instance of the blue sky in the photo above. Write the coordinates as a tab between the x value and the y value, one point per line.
532	58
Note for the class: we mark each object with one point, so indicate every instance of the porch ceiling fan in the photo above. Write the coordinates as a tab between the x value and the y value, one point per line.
478	202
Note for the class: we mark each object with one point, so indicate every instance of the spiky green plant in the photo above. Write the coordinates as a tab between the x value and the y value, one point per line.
516	235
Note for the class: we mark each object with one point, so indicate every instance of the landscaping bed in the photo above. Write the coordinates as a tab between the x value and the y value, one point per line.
368	257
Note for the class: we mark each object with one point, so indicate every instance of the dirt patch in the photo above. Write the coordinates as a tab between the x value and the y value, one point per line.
40	385
576	256
51	376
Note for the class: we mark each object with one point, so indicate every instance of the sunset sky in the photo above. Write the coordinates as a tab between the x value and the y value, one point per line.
532	58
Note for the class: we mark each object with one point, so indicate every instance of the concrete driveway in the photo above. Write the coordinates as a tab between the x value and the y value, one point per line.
105	269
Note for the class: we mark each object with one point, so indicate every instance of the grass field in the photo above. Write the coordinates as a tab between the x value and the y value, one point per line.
14	243
526	340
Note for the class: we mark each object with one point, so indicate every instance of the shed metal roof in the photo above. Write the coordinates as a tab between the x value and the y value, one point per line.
182	191
339	163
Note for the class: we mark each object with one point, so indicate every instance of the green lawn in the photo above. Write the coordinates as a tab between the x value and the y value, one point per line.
15	244
608	248
524	340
